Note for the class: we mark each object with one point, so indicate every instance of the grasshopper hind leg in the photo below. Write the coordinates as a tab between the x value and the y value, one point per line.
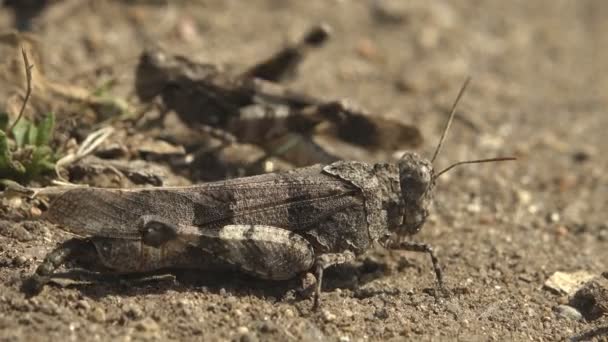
263	251
64	252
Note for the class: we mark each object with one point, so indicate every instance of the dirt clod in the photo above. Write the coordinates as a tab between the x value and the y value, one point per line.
592	299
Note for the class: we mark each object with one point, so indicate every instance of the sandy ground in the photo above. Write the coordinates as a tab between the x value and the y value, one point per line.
500	230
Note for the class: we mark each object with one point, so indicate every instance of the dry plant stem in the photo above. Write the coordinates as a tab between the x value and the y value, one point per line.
87	147
28	91
14	189
53	191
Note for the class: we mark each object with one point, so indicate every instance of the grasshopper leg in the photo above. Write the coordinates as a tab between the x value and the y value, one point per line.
34	284
264	251
324	261
412	246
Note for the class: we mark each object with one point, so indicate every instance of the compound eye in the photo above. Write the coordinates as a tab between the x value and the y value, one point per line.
415	175
413	187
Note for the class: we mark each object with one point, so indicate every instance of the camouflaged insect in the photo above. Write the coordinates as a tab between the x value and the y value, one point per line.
273	226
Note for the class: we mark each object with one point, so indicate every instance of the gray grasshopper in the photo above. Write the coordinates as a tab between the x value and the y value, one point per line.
272	226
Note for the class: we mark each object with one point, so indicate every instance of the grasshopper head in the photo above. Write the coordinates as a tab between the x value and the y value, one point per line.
416	177
417	180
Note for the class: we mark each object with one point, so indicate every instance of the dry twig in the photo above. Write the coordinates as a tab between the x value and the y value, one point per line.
28	92
87	147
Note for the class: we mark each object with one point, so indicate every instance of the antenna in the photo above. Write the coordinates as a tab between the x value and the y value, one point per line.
451	118
472	162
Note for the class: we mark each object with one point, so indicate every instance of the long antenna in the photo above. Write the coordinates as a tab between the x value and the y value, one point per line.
472	162
451	118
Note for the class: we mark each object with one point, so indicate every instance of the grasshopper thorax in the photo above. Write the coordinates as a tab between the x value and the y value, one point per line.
417	180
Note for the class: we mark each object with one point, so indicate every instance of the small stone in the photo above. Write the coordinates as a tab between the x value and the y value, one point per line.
14	230
249	337
19	260
368	50
49	308
561	230
533	209
15	203
389	11
566	311
381	313
289	313
568	283
133	311
328	316
268	327
245	334
553	217
474	207
525	197
83	304
344	339
98	315
592	299
147	325
35	211
581	156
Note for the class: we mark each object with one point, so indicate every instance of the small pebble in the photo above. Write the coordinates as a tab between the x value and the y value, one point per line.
553	217
249	337
246	335
525	197
566	311
268	327
98	315
328	316
381	313
147	325
133	311
19	260
83	304
289	313
474	207
347	313
389	11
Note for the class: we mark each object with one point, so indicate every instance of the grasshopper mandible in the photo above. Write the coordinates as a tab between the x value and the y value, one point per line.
272	226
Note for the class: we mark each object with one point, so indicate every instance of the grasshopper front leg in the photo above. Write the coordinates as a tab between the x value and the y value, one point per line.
418	247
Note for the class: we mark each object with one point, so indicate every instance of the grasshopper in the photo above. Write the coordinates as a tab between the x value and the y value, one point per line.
272	226
252	107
